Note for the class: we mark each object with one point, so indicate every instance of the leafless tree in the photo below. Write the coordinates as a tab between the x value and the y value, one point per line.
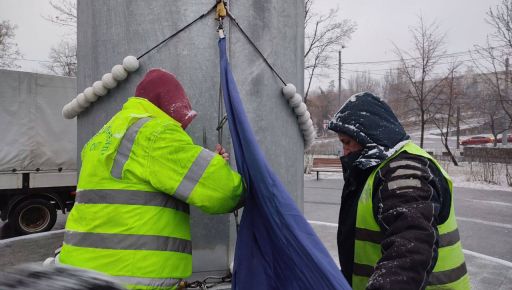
500	18
491	62
363	82
322	106
63	55
482	98
9	51
66	13
452	89
63	59
394	91
324	34
418	65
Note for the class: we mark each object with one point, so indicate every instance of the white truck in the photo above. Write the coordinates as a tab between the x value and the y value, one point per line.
37	150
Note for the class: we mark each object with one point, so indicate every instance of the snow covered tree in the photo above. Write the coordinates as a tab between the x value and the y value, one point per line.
9	51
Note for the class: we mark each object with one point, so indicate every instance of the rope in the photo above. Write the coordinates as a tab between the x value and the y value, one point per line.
255	47
208	282
220	10
179	31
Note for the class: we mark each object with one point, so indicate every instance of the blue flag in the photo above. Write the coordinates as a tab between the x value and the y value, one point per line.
276	247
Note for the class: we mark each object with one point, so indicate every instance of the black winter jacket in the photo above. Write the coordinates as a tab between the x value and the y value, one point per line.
407	215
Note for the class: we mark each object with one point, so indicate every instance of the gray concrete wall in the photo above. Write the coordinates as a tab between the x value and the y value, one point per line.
110	30
31	248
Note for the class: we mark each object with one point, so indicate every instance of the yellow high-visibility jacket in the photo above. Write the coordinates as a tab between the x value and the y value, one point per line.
139	174
450	270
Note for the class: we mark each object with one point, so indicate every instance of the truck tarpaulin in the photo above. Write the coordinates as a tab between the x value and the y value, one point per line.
34	135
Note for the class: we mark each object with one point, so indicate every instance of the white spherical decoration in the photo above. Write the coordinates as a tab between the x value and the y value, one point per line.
90	96
119	73
301	109
82	101
308	130
295	100
73	109
130	63
304	118
67	113
289	91
99	89
307	125
76	106
108	81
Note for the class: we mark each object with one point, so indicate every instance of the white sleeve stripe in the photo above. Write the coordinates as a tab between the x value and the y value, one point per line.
401	172
403	183
403	163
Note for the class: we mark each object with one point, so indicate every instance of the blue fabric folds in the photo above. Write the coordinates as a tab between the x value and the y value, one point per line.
276	247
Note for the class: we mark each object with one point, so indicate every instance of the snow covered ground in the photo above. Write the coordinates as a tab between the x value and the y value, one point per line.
465	175
473	175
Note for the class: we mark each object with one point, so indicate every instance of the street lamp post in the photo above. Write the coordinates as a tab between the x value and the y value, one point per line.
339	74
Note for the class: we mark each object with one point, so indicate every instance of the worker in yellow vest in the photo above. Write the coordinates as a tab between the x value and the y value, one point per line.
139	175
397	227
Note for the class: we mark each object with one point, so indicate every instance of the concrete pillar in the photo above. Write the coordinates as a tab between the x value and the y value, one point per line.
110	30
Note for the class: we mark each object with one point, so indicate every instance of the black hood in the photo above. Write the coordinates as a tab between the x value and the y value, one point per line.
369	121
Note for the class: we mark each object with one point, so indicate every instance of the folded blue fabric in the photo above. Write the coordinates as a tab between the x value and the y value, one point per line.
276	247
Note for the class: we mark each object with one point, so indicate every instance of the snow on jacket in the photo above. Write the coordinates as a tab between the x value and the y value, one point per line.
407	216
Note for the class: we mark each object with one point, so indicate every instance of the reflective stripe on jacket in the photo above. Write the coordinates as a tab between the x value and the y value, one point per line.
139	174
450	270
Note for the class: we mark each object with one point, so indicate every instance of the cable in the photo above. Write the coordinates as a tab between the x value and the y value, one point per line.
26	59
255	47
446	55
179	31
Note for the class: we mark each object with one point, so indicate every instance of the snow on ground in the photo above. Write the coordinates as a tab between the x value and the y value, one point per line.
465	175
473	175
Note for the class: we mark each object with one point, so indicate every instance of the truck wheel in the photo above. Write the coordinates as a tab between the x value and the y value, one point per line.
33	216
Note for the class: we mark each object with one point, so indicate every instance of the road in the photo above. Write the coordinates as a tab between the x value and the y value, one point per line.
432	142
484	218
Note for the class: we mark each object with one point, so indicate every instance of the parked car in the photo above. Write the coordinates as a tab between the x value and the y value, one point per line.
476	140
509	139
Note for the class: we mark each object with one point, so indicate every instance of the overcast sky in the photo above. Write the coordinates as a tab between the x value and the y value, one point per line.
35	36
380	24
384	22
